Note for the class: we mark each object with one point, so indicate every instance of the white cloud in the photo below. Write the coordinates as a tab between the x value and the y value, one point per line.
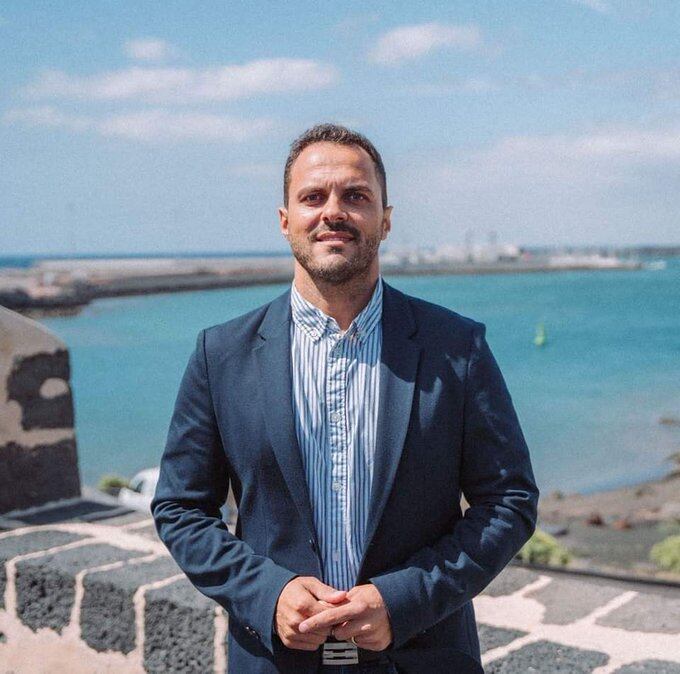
148	49
46	116
612	185
155	125
576	163
162	125
631	145
659	83
411	42
185	85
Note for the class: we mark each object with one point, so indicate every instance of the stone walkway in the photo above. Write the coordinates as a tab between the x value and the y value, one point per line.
104	596
556	622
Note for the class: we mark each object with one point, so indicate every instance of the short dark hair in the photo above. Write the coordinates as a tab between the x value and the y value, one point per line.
334	133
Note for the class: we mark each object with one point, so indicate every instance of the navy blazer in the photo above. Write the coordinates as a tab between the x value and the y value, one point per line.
446	427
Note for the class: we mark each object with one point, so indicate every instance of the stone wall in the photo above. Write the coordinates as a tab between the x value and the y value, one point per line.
38	458
80	597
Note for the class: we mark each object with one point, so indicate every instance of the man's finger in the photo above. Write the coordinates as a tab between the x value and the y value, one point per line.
353	628
325	592
331	616
309	639
323	632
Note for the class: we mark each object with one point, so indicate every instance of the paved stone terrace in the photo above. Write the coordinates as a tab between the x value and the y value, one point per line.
78	596
553	622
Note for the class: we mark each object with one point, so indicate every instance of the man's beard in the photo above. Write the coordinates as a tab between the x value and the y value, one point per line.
341	270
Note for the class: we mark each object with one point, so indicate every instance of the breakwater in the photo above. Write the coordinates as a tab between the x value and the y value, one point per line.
67	285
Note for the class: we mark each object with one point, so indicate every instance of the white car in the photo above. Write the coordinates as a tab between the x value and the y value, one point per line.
140	491
142	487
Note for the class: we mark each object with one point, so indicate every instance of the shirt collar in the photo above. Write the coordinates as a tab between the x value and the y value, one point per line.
315	322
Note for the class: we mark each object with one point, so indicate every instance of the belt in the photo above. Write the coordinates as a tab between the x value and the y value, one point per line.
358	669
338	653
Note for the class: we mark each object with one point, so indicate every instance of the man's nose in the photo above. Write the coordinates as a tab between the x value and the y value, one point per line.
333	209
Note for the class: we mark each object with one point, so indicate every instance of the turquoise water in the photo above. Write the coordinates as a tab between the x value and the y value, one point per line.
589	401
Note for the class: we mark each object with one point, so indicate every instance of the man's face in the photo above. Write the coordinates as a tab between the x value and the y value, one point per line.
335	221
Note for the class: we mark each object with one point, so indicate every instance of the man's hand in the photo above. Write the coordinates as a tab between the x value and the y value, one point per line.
301	598
363	617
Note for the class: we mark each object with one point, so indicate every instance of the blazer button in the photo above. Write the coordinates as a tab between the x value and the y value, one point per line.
252	632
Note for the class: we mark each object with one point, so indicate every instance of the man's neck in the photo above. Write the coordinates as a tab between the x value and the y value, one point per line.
343	302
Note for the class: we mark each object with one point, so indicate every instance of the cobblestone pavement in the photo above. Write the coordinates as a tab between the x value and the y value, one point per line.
79	596
552	622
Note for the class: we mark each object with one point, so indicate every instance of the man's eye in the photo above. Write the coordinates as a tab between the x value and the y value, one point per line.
356	196
311	198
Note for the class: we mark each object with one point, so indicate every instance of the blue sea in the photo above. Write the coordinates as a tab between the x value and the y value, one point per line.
589	401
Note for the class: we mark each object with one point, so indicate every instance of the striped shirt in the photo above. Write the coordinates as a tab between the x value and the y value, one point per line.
335	400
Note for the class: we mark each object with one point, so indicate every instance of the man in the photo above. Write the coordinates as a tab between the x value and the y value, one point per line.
348	418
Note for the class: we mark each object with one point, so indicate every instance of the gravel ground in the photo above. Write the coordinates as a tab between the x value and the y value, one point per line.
631	520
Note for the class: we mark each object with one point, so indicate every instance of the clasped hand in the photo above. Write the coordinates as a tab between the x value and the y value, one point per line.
308	612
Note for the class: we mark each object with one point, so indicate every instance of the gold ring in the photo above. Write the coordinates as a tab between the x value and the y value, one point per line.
354	641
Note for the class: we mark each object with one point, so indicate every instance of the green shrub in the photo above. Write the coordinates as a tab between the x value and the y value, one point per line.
669	527
543	548
111	484
666	554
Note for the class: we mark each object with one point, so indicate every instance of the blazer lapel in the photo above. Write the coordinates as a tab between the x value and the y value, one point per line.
273	357
398	367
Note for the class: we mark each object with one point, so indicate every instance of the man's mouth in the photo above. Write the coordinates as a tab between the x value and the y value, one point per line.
335	236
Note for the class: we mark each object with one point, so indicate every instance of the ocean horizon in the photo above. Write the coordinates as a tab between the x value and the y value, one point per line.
25	261
589	401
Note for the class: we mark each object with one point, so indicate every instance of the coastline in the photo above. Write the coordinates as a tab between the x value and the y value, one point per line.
64	287
613	530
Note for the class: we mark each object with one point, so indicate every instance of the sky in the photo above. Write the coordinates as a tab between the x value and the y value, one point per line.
147	127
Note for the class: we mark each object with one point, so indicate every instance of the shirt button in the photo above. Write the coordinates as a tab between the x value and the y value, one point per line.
314	334
335	416
337	486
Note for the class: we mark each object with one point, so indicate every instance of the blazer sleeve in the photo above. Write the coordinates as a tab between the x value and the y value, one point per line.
497	480
192	486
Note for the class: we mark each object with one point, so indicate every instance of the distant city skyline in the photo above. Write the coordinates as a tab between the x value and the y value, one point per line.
145	128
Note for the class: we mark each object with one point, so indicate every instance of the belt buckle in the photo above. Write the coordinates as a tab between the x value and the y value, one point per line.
340	653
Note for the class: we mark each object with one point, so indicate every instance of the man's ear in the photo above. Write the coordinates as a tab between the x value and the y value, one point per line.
386	222
283	220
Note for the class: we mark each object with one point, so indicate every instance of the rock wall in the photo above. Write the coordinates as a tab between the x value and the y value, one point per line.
38	457
81	597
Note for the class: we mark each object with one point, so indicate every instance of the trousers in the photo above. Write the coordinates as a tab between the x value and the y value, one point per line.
365	668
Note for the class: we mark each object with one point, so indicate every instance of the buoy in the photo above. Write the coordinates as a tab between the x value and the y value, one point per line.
541	336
